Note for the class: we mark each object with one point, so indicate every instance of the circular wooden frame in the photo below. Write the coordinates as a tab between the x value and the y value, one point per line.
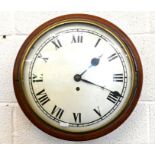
69	135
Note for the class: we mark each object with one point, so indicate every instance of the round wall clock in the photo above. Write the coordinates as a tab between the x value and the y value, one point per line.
77	77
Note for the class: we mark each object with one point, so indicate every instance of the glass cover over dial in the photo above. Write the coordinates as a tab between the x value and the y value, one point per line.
77	77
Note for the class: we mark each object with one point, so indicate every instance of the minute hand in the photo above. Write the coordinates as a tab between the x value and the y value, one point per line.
116	93
92	83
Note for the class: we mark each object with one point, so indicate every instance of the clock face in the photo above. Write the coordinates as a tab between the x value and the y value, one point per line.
77	77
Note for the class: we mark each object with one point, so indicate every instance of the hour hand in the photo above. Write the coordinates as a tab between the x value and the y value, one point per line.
94	62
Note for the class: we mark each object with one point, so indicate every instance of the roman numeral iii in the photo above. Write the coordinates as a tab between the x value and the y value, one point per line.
57	112
77	39
42	97
118	77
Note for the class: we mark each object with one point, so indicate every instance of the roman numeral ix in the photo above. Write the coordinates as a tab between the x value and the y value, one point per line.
36	78
42	97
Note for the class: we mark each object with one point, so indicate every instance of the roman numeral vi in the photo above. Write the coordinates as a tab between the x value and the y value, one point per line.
77	117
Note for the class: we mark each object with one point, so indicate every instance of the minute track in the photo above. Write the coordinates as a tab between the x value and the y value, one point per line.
82	124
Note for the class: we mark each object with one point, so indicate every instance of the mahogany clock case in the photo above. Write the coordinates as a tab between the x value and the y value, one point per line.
17	79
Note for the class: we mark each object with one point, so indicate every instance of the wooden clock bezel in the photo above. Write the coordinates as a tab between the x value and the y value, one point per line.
36	120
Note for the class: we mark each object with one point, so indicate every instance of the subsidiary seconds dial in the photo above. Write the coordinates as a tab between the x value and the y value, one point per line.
78	77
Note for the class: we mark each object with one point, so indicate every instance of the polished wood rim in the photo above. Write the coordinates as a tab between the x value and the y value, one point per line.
19	92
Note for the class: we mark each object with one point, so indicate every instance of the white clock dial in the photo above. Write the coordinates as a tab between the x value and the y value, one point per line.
77	77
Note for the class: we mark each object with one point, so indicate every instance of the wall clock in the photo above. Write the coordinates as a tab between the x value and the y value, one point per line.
77	77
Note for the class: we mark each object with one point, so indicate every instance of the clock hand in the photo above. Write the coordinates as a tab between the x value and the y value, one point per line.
115	93
92	83
78	78
94	62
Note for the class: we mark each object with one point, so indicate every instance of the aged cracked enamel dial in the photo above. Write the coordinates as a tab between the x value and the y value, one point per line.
79	77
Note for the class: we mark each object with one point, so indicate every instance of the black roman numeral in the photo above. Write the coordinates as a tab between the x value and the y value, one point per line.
114	96
77	117
118	77
112	57
36	78
97	42
98	111
42	97
57	112
57	44
77	39
41	57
